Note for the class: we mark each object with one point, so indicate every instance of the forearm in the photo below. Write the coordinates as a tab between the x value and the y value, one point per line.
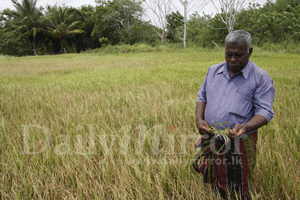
200	110
256	122
202	125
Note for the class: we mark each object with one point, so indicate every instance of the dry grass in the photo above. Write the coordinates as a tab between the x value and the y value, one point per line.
122	127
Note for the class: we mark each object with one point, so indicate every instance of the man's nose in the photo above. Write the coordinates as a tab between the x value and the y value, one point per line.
233	59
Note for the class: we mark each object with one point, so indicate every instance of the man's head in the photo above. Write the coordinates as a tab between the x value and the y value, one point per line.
237	50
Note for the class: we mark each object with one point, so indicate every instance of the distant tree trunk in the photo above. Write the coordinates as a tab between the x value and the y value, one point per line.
78	43
185	23
198	5
56	45
62	49
34	46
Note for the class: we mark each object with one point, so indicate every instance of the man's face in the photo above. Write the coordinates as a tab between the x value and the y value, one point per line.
237	56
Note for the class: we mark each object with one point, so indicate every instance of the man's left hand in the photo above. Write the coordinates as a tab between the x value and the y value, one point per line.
238	130
255	123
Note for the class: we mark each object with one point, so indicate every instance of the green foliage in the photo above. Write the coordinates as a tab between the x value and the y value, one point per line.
61	24
25	21
30	30
126	48
285	46
103	41
201	31
174	24
119	21
274	22
14	46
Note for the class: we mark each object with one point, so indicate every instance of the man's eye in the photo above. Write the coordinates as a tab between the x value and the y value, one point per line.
239	55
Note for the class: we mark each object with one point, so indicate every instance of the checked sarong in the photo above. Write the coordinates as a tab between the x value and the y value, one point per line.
230	166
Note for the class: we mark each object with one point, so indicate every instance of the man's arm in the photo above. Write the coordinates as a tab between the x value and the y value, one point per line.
256	122
263	102
202	125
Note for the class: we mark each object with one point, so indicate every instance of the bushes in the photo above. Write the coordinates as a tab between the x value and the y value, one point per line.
15	47
144	48
288	47
126	48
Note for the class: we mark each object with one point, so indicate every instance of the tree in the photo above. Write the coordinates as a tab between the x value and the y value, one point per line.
16	46
228	11
59	24
174	24
198	30
25	21
118	20
275	22
85	41
125	16
189	5
158	12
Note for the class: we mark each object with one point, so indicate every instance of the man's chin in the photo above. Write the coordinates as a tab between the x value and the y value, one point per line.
233	68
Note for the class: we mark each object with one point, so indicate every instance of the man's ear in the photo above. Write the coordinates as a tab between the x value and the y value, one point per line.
250	51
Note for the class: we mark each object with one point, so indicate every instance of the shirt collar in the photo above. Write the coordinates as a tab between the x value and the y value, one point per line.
244	72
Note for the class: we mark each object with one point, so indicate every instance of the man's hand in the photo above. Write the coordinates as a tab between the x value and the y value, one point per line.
203	127
255	123
238	130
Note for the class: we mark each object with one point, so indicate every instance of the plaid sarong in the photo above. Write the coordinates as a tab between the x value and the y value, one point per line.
230	166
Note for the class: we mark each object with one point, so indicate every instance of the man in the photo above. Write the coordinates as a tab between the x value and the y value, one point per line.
236	95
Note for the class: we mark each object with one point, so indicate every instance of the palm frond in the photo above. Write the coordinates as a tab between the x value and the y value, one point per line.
76	31
74	25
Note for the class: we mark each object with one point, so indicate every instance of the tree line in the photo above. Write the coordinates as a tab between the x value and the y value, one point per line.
32	30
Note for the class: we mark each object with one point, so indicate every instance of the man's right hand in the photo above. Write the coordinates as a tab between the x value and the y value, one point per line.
203	127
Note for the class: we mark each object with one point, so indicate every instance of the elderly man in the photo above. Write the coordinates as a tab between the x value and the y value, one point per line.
236	95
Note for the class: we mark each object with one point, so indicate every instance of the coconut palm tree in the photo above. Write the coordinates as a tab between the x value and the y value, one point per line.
25	21
59	25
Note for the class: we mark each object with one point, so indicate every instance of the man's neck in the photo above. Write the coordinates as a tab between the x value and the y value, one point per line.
231	74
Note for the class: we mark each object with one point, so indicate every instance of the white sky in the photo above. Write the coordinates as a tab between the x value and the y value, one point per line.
74	3
78	3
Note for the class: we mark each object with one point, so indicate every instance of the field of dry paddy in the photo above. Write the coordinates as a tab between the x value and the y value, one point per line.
122	126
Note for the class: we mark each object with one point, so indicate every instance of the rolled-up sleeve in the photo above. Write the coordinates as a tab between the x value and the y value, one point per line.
202	91
264	97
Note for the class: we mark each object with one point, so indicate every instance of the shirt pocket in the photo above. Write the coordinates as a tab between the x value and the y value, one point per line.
246	91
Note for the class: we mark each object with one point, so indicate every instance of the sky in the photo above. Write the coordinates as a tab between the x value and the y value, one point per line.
78	3
74	3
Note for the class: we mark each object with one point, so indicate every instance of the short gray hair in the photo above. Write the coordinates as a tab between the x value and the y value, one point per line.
239	37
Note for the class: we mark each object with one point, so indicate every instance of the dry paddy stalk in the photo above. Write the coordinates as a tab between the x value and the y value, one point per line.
122	126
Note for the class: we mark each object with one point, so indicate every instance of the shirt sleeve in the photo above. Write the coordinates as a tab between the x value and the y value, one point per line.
264	97
202	91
